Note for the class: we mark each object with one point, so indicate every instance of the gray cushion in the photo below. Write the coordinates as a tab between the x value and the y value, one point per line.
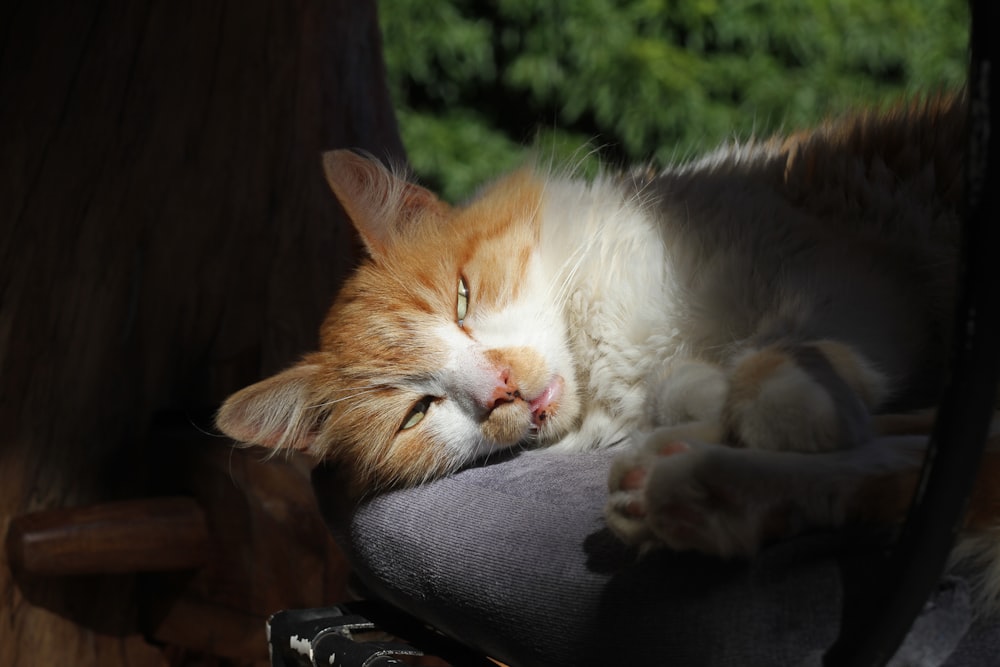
513	558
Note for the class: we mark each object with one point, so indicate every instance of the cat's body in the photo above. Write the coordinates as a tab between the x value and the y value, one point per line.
770	296
748	248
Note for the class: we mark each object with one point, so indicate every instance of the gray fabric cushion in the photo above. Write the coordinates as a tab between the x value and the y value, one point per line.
513	558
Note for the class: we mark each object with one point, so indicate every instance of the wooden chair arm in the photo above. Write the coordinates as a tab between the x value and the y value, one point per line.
148	535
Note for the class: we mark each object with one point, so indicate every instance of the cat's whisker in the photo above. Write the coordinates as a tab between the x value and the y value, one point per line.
567	274
363	391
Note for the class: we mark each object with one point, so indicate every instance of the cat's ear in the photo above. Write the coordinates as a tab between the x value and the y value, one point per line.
379	203
275	412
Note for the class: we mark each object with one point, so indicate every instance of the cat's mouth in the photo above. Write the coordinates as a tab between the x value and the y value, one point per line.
546	403
525	419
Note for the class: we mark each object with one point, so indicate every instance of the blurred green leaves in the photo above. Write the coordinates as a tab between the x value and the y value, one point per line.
474	82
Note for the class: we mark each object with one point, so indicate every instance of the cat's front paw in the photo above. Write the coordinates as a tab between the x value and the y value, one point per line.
677	493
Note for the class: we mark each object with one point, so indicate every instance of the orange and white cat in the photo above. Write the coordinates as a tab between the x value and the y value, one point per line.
739	319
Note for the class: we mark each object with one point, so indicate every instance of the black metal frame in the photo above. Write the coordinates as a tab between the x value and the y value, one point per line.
875	624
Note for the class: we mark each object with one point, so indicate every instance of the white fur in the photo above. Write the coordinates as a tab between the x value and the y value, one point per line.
606	264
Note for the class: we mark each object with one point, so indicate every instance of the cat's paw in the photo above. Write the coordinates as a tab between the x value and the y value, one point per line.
814	397
687	390
678	491
687	495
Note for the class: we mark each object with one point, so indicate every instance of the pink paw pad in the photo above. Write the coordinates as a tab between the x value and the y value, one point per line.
671	448
633	479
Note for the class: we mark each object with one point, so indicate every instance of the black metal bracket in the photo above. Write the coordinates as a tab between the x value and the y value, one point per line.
359	634
875	624
329	637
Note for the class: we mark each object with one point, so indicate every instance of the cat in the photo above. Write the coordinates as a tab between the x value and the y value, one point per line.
738	319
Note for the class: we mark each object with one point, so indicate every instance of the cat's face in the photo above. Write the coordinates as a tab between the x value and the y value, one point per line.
447	344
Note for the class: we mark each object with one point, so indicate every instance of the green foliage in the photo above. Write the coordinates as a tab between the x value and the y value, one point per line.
641	80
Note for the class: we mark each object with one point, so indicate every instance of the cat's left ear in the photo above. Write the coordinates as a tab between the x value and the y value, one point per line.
381	205
274	412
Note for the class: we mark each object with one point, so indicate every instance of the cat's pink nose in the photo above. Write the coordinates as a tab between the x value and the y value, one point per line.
505	391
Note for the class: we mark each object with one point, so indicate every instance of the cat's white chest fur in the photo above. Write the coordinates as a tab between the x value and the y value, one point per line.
605	263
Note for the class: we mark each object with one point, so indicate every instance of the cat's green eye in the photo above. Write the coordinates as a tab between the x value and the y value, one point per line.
417	413
462	307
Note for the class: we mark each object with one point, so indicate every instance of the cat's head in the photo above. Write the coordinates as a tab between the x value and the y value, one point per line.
446	344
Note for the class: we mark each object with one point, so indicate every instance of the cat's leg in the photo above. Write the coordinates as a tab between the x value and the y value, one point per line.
815	396
686	390
677	491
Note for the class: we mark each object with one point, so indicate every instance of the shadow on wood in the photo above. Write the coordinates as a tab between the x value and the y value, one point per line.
166	237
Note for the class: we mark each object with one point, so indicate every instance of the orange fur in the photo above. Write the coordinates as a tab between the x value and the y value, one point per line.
750	375
889	141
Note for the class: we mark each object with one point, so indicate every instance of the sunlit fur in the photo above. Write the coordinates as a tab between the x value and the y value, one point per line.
777	291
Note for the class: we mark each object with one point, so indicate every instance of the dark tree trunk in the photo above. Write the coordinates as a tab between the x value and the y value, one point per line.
165	238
